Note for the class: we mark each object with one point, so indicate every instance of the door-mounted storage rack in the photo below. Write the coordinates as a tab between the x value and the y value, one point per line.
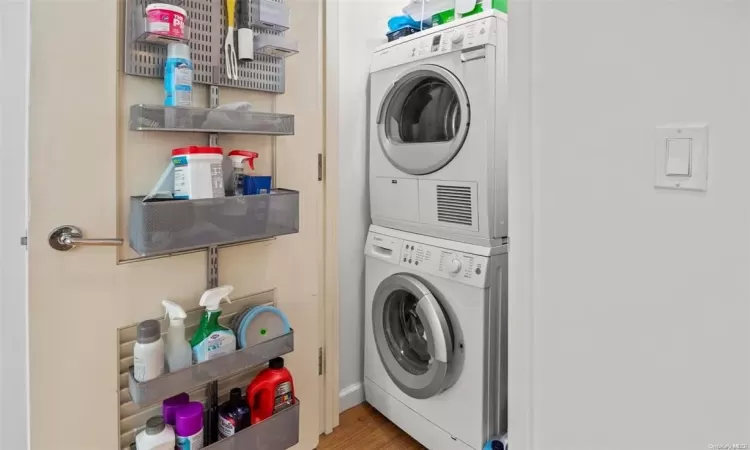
278	432
158	228
146	53
142	400
168	227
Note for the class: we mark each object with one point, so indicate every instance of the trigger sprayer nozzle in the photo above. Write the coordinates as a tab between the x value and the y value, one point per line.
173	311
213	297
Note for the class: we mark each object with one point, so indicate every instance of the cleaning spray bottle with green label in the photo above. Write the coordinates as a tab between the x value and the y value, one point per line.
212	340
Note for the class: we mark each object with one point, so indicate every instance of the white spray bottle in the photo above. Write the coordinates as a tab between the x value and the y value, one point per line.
211	339
177	350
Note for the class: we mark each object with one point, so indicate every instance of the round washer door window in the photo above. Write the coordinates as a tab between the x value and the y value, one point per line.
423	120
412	335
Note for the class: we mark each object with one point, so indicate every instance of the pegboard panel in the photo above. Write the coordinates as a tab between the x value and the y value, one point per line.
264	73
207	31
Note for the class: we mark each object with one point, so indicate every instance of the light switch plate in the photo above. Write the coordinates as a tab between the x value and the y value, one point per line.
697	180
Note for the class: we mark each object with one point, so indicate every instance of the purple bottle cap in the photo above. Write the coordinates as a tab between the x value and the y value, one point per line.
169	407
189	419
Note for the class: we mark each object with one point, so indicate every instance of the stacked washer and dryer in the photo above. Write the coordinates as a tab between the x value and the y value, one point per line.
436	254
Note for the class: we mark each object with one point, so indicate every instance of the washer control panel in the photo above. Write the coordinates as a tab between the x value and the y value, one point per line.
434	42
445	263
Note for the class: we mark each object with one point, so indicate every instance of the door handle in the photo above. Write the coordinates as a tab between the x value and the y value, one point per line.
68	237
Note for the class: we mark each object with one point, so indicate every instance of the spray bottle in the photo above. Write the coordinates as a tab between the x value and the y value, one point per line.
238	157
177	350
212	340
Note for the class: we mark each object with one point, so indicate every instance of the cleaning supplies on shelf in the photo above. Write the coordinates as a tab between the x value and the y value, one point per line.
259	324
464	6
177	349
238	157
178	76
189	426
423	10
452	14
497	443
148	353
401	26
157	436
270	392
234	415
166	20
163	188
257	184
212	340
170	406
198	172
221	118
254	184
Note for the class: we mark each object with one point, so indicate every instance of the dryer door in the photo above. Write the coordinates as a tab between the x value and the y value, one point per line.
423	119
412	335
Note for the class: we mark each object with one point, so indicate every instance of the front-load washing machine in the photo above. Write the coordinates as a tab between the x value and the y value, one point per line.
435	337
438	131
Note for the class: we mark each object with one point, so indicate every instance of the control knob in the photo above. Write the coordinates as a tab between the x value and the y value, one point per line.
457	37
455	266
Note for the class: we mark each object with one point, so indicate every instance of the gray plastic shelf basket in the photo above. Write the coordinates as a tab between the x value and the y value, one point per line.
193	377
278	432
174	226
205	120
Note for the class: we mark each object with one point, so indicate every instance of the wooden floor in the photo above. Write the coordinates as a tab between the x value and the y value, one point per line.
363	428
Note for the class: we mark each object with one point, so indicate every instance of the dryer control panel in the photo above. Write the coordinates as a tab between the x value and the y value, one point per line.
444	263
432	42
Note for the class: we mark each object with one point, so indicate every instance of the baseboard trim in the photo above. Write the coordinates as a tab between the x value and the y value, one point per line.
351	396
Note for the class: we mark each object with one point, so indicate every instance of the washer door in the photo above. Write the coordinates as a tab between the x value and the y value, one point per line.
412	335
423	120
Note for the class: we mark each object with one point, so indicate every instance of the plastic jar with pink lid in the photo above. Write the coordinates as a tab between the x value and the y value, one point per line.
166	20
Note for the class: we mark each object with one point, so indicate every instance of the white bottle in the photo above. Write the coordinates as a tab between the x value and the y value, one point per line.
156	436
177	350
148	352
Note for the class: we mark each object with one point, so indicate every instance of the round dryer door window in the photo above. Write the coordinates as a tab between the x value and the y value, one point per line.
423	120
412	335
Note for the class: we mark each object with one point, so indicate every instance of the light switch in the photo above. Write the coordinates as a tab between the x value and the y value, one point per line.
681	156
679	152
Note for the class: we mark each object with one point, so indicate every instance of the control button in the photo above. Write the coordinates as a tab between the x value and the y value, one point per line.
412	247
457	37
481	31
404	259
455	266
416	263
410	261
478	271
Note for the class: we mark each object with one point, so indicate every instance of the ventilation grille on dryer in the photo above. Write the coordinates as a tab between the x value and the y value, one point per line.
454	204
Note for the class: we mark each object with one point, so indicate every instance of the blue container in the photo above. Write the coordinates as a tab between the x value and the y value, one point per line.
255	185
178	76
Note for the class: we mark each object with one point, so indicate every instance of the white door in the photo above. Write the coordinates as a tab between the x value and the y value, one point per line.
84	166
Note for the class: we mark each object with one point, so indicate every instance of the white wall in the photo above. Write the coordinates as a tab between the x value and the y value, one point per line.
641	297
361	26
14	60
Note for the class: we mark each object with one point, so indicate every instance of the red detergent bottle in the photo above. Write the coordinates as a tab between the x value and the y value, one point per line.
270	392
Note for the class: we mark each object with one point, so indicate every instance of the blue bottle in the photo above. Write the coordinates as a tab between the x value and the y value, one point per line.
178	76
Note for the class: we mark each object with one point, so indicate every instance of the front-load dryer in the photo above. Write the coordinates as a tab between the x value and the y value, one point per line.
435	337
438	131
